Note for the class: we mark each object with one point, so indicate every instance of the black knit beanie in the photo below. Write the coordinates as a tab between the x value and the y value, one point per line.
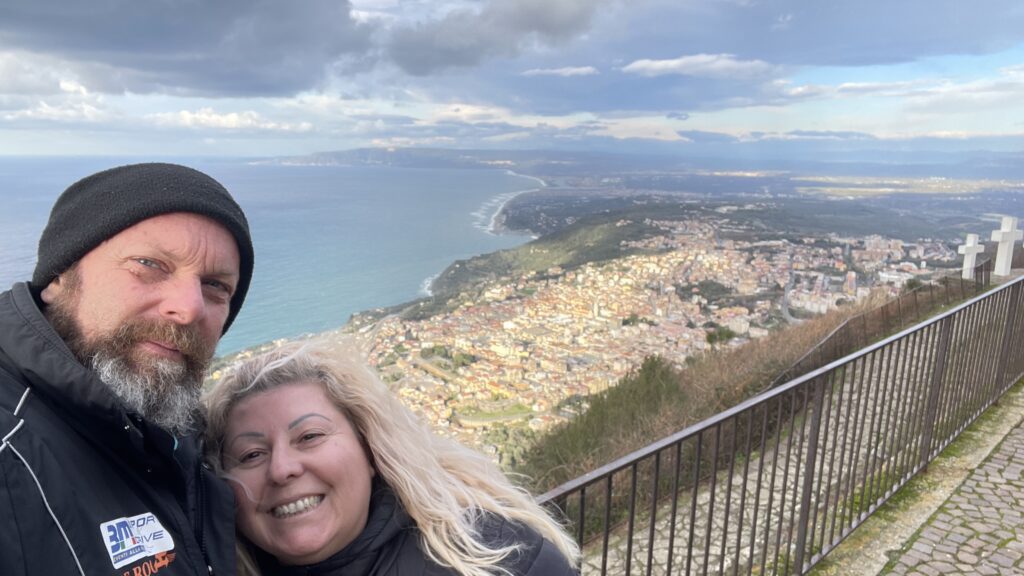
98	207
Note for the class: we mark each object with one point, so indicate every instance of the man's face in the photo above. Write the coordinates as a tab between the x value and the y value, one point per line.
146	308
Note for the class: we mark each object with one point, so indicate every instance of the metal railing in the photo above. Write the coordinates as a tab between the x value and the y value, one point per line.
773	484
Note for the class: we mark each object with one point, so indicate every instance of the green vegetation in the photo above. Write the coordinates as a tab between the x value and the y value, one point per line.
634	320
596	239
709	289
720	335
456	360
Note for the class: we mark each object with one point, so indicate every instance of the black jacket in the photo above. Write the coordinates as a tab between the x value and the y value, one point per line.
86	488
390	546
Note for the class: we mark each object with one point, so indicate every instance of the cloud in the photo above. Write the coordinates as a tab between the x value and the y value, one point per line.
719	66
564	72
227	47
466	37
68	112
208	118
677	116
704	137
25	73
827	135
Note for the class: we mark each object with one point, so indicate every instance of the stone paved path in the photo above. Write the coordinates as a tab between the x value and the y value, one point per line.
980	528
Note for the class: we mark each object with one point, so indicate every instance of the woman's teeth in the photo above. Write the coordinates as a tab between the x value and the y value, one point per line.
301	505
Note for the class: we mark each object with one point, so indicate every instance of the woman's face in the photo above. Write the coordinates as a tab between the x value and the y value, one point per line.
300	475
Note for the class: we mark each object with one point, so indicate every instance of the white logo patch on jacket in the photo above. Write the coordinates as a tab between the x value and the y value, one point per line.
131	539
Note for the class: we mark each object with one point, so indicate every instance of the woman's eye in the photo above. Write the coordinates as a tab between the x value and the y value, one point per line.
310	436
250	456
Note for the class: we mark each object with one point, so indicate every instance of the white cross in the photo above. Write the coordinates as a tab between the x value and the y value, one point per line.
1005	236
970	250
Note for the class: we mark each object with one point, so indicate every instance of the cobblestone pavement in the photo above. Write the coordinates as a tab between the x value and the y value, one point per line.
980	528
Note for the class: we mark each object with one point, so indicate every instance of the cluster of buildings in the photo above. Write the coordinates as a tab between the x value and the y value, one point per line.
526	347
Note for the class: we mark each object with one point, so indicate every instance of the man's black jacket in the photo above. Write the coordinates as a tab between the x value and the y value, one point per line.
85	487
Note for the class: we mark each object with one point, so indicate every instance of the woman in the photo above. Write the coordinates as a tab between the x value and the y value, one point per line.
332	475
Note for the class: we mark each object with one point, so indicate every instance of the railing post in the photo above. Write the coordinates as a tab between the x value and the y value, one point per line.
938	373
1011	318
808	486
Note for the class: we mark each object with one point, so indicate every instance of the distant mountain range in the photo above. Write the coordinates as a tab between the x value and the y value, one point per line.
873	158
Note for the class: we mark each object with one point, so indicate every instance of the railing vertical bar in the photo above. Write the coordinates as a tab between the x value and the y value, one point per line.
965	376
632	517
711	498
821	504
842	373
757	486
785	479
675	507
923	380
581	517
849	423
971	381
1007	336
893	399
743	492
905	406
656	479
1002	322
945	389
938	372
771	487
806	387
728	492
880	452
872	441
818	389
693	500
863	440
1009	310
607	523
899	311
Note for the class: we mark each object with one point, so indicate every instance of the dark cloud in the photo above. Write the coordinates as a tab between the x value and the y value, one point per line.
501	28
225	47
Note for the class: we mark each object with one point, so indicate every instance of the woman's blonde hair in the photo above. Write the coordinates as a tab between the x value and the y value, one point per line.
443	486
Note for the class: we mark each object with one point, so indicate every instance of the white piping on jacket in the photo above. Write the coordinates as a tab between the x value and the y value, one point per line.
21	403
48	509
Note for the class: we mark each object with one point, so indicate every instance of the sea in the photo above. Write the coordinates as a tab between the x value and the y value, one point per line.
329	240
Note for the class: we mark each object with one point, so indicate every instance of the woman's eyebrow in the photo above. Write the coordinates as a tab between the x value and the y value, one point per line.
304	417
244	435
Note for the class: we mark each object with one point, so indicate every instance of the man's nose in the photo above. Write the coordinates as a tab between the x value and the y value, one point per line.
183	301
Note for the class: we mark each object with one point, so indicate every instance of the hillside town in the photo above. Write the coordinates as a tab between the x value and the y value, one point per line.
529	350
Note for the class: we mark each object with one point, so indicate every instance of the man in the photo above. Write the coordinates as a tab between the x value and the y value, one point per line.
141	269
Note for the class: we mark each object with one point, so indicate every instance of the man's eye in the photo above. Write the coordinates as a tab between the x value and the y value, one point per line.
218	285
147	262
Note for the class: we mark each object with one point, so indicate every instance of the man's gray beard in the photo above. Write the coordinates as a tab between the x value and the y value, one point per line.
163	391
161	395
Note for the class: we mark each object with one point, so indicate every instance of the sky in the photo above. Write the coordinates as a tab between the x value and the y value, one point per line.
291	77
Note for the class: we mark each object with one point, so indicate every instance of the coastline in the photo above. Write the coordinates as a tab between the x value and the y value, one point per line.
494	227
